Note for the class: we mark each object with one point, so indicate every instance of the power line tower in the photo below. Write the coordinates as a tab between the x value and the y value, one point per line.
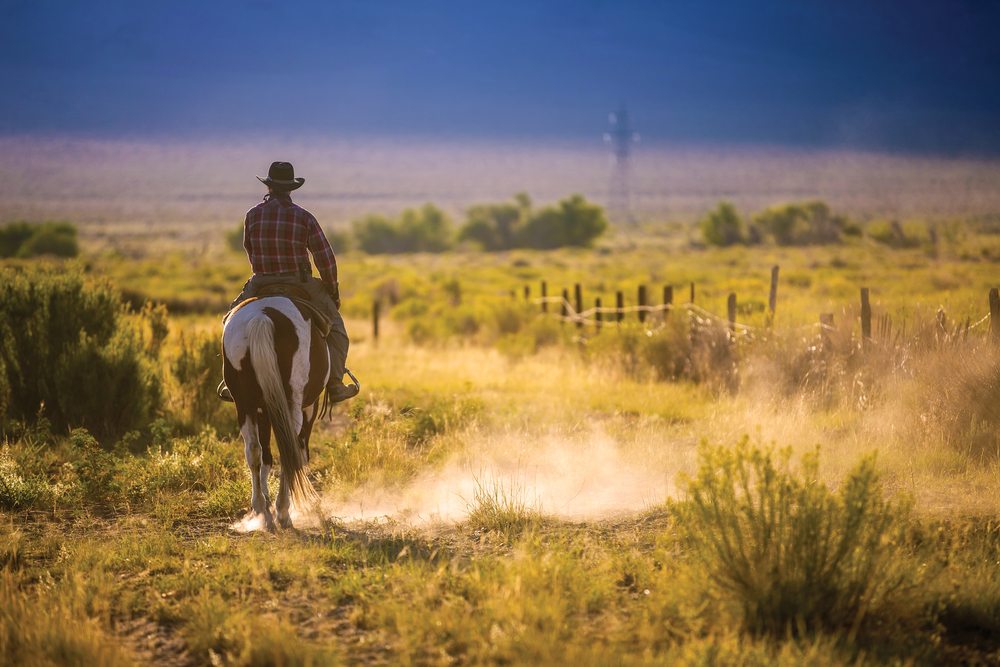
621	137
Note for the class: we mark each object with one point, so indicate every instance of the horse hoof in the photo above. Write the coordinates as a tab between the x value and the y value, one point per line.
285	522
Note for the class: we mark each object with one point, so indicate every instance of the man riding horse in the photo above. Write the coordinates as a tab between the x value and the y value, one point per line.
278	236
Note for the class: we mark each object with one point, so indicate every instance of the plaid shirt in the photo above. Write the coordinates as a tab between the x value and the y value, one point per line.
277	234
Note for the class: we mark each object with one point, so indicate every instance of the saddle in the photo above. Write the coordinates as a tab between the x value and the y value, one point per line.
297	295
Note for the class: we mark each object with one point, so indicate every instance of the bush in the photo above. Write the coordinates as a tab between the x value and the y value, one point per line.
66	350
891	234
234	239
801	224
788	552
22	239
426	229
572	222
494	226
723	226
13	236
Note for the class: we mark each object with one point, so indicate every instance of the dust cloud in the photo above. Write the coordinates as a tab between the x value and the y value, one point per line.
574	477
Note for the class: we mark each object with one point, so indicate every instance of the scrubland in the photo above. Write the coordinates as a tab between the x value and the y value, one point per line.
510	489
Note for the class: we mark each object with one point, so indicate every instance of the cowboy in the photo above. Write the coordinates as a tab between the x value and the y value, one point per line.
277	235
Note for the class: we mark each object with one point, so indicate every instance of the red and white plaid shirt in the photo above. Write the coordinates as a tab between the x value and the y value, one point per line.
277	234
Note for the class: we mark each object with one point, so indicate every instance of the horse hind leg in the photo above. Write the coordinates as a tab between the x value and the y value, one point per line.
284	497
283	500
258	500
267	460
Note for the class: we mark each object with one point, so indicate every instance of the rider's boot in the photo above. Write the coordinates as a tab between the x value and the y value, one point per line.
338	391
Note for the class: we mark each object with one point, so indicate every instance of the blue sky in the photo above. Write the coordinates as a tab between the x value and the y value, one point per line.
907	76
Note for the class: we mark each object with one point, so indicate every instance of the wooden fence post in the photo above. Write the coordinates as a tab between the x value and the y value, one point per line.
772	299
597	313
527	292
866	317
692	292
620	305
375	308
731	311
563	310
545	295
578	298
668	299
825	324
995	314
642	303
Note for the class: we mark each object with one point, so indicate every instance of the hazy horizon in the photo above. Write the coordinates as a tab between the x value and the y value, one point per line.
193	187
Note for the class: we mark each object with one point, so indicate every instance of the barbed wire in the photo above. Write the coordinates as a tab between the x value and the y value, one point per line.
587	316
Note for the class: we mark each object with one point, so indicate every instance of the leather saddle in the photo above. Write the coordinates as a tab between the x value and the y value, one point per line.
297	295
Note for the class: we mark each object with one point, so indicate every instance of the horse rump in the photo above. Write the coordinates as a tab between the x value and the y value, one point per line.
260	339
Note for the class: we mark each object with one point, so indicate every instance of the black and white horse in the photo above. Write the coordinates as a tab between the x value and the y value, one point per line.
276	367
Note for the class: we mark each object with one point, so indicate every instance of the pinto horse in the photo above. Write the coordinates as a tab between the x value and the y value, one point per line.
276	365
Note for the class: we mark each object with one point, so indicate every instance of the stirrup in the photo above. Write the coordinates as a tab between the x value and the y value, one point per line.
223	392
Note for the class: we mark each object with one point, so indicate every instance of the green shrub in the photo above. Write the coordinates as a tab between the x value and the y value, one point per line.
426	229
68	352
18	491
493	226
790	554
234	239
891	234
723	226
23	239
13	236
572	222
800	224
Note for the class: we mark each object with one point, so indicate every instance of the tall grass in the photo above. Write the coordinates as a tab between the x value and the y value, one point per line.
500	506
53	626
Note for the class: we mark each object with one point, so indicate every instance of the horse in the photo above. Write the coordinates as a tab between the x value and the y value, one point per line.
276	365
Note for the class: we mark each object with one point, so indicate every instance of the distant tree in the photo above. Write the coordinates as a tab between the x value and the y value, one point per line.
426	229
23	239
723	226
377	234
234	239
801	223
572	222
12	236
493	226
340	240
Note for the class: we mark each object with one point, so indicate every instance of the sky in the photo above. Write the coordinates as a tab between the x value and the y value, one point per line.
912	77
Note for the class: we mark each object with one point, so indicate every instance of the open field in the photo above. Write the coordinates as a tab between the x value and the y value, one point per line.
513	490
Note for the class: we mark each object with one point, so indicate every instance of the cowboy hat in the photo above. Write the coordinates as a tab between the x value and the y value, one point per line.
282	174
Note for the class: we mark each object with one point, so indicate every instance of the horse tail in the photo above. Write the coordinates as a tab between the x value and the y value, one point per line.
260	336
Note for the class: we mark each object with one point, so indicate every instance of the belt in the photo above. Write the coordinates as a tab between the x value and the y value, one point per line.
283	274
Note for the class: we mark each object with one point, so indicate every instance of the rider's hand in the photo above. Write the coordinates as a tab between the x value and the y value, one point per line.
334	292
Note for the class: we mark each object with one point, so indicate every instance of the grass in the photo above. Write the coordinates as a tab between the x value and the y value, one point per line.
500	506
560	448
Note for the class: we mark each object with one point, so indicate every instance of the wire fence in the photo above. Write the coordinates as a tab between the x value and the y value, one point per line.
597	316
